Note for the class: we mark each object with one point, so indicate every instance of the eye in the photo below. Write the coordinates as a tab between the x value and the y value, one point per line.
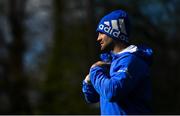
100	34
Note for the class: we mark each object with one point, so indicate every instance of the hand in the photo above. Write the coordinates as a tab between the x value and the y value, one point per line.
87	79
100	63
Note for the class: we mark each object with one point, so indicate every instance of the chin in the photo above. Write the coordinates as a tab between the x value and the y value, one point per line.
105	49
102	48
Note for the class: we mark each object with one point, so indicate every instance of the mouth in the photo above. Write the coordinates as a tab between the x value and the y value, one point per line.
101	43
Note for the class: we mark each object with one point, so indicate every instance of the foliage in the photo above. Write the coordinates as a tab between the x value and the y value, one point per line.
47	48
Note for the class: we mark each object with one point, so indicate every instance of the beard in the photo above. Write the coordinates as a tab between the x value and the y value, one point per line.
108	47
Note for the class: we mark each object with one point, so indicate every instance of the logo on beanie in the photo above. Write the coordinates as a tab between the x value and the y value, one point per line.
115	28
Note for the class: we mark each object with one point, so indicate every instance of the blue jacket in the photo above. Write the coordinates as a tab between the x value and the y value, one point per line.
125	87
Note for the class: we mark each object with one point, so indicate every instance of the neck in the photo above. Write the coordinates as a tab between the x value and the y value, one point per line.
119	47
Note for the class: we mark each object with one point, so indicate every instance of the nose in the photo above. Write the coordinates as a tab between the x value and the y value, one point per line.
99	37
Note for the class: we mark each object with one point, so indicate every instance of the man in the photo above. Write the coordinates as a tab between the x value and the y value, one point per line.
121	82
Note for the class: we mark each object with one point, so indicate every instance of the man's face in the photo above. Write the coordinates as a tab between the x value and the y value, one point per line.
105	41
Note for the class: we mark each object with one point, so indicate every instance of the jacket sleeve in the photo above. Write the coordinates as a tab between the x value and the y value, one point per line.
90	94
124	78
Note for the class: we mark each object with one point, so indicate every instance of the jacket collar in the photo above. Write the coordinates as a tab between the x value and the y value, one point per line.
129	49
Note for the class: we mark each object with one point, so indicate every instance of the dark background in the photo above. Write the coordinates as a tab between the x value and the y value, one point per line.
47	47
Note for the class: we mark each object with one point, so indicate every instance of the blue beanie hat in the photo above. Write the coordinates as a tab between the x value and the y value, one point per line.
115	25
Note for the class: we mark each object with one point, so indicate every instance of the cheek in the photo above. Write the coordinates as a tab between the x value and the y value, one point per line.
107	40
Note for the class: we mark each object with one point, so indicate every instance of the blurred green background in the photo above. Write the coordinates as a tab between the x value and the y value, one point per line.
47	47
